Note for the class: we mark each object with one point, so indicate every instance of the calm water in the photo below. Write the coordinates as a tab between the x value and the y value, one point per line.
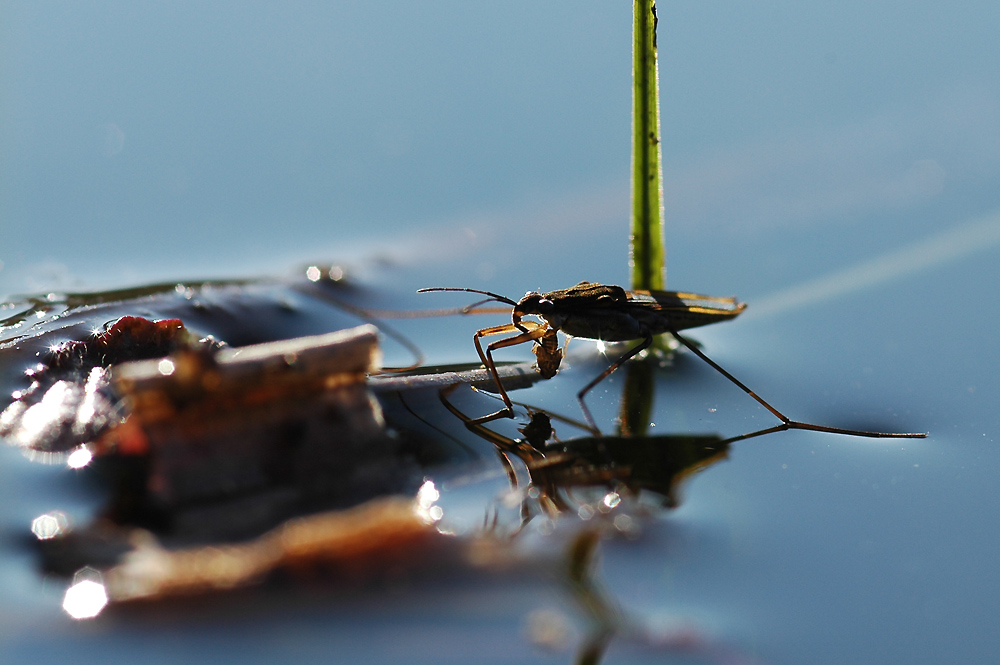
835	168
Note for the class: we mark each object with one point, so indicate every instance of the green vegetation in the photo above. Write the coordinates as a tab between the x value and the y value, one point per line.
648	252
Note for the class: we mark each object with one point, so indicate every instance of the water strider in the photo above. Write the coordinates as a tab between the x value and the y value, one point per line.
612	314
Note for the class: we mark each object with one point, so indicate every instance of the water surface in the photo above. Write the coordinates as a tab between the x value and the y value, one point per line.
837	170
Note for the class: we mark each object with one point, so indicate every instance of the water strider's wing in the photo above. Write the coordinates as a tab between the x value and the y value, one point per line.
663	310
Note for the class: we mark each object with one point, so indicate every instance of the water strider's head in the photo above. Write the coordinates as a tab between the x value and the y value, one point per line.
532	303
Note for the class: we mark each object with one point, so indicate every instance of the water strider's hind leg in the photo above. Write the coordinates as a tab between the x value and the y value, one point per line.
786	422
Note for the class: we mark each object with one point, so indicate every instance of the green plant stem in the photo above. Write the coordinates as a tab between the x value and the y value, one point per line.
648	252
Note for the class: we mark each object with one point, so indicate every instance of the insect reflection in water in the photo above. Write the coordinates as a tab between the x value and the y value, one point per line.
615	465
612	314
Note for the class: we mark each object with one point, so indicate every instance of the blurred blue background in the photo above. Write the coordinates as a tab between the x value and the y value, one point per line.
164	140
835	165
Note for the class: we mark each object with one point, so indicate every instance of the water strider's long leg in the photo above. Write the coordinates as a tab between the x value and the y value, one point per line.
603	375
534	332
786	422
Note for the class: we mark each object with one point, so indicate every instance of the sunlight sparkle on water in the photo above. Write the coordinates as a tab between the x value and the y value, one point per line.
79	458
49	525
38	416
85	599
88	408
427	495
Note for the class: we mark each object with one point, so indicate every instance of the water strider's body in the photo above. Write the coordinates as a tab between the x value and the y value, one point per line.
612	314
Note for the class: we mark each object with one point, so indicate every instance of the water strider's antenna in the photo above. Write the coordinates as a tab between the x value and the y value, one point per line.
493	296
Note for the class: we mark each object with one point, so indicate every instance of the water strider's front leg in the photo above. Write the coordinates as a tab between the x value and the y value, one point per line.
534	332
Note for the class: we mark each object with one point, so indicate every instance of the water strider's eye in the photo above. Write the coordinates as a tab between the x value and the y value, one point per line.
545	306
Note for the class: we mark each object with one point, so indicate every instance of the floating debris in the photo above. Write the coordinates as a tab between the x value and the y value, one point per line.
370	536
236	440
70	401
244	461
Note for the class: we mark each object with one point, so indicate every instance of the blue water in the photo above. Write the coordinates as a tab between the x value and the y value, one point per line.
835	167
